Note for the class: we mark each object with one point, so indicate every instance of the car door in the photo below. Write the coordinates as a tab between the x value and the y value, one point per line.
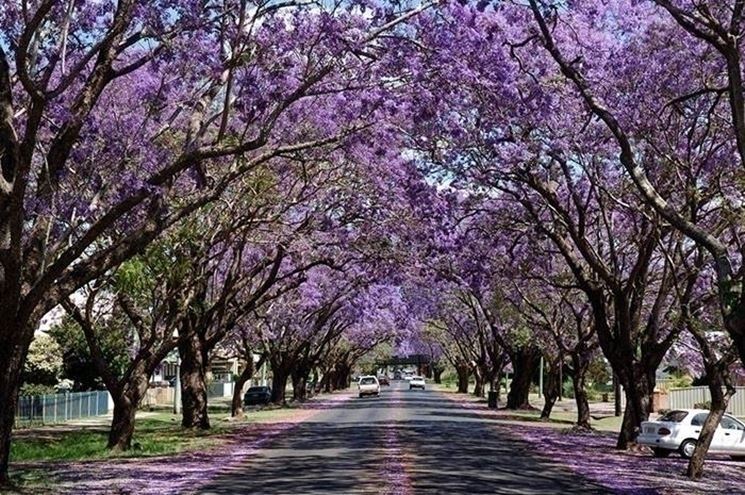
733	434
720	440
697	422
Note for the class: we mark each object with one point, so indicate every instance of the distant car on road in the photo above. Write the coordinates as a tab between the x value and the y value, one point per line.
257	395
368	385
383	380
678	430
416	382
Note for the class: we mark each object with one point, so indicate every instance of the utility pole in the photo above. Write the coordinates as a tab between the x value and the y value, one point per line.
177	388
616	395
540	379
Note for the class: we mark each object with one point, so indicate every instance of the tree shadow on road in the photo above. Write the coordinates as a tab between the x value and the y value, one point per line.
452	451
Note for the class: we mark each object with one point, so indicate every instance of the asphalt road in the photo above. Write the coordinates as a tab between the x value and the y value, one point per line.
404	442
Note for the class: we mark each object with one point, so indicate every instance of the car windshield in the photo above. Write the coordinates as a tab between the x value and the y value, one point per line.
256	389
367	381
674	416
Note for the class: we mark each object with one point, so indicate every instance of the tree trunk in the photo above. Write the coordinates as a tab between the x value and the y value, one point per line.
550	389
314	383
193	383
495	375
718	407
236	404
341	376
299	381
524	362
279	383
123	423
127	399
580	366
638	387
478	386
11	362
326	380
437	373
719	379
462	379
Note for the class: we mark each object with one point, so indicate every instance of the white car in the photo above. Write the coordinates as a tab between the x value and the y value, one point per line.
678	430
416	382
368	385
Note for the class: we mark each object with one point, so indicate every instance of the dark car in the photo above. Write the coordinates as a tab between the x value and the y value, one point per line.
383	380
257	395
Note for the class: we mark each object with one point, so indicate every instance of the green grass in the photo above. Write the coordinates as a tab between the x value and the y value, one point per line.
604	423
558	417
158	433
154	436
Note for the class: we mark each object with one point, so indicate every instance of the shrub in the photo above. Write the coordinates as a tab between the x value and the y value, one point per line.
35	389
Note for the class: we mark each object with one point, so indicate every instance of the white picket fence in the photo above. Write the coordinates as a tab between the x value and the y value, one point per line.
686	398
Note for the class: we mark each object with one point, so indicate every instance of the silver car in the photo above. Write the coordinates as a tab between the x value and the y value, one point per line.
678	430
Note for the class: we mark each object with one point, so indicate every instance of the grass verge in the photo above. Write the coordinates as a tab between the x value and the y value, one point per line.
153	436
157	433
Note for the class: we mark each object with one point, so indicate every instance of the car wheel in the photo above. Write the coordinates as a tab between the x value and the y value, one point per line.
362	395
687	448
658	452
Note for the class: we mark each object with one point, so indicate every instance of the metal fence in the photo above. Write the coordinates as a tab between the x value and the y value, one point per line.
685	398
57	408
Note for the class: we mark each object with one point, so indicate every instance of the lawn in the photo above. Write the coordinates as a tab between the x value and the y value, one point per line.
168	459
154	436
559	417
157	434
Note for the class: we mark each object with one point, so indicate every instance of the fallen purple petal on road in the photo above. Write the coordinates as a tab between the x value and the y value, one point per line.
393	469
179	474
594	457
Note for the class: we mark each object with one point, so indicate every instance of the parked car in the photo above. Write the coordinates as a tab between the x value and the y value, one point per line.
678	430
383	381
257	396
416	382
368	385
